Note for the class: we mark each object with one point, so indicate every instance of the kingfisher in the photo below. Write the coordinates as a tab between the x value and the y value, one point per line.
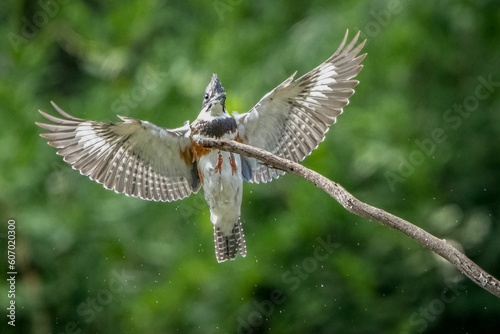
144	160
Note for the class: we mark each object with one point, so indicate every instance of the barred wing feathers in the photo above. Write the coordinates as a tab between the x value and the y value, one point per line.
292	119
133	157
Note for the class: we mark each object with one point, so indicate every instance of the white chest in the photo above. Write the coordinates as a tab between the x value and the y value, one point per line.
221	177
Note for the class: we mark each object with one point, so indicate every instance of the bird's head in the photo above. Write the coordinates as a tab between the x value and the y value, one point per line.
213	104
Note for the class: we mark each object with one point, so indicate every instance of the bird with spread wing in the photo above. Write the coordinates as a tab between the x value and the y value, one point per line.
153	163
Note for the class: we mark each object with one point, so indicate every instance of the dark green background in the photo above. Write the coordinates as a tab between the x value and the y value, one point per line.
150	267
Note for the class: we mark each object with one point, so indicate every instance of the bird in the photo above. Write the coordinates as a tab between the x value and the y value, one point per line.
154	163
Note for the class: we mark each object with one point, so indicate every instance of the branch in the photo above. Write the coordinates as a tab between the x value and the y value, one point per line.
355	206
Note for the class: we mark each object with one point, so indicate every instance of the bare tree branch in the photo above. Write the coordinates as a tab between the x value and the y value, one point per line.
352	204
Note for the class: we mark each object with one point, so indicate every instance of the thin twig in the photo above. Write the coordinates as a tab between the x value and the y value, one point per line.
352	204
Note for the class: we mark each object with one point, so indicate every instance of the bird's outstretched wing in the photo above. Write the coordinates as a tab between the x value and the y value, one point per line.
133	157
291	120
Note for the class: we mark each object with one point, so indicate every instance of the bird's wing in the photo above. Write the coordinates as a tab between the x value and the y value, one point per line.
133	157
292	119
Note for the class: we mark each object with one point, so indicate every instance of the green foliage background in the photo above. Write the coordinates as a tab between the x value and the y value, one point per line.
74	238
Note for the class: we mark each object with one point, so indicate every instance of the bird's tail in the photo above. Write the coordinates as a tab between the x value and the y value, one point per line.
227	246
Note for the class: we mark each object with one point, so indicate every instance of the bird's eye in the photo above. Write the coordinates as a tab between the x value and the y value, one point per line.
206	96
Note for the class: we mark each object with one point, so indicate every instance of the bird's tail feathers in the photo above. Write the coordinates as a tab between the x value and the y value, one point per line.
227	246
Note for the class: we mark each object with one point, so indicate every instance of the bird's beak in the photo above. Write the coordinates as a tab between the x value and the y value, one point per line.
220	99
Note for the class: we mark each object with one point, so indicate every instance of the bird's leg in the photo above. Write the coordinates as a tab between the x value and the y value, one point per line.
218	166
234	168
